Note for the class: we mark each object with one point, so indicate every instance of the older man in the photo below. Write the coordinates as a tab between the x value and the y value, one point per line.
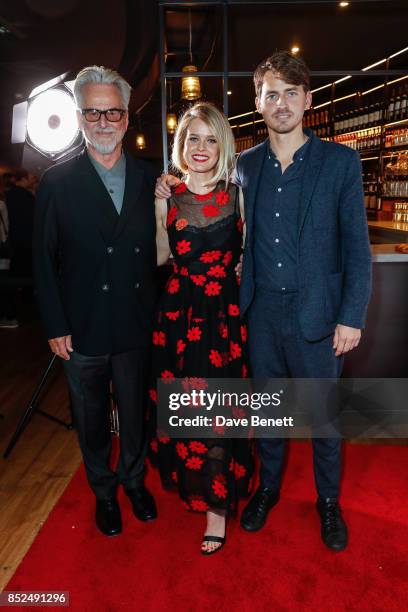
95	259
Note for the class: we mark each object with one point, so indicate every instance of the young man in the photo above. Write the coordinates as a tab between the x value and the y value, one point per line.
306	275
95	262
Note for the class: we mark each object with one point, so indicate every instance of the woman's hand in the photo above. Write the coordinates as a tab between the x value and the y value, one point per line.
164	183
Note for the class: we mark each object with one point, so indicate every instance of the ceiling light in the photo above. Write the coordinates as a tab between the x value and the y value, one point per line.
344	4
294	50
140	141
171	123
229	93
190	85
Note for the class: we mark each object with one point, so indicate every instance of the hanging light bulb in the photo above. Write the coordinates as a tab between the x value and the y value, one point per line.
190	85
171	123
140	141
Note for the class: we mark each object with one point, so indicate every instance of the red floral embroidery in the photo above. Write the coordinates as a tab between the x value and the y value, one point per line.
184	271
153	395
235	350
173	285
154	445
227	258
180	346
199	505
211	211
163	438
198	383
174	476
244	333
218	487
194	334
244	371
175	267
198	447
159	338
181	188
222	198
167	376
210	256
233	310
183	246
212	288
198	279
223	330
217	271
171	215
215	358
203	197
172	315
181	224
239	471
181	450
194	463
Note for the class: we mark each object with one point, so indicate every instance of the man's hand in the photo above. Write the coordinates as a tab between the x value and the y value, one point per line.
345	339
164	184
61	346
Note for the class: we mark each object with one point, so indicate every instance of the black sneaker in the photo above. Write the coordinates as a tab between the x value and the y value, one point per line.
333	528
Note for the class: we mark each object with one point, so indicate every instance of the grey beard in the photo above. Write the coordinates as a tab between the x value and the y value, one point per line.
104	149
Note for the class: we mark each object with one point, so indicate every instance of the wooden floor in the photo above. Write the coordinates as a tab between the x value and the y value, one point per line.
46	456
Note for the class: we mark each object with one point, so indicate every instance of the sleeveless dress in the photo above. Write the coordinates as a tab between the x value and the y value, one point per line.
198	334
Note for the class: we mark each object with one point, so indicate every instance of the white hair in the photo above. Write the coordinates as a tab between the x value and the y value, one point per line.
103	76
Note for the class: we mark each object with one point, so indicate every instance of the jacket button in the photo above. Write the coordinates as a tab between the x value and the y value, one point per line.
137	250
137	285
105	287
110	250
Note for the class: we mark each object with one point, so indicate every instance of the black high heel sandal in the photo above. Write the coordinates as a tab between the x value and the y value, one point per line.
217	539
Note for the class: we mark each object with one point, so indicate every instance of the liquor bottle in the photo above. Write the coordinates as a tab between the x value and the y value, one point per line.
397	106
390	111
404	98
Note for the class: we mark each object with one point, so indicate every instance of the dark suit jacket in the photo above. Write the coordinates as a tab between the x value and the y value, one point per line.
95	270
334	258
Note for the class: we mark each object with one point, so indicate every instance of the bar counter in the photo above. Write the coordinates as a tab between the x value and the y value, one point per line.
389	232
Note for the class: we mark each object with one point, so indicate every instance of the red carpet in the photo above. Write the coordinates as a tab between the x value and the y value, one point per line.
283	567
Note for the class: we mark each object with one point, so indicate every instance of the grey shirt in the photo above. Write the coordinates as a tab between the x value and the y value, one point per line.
113	179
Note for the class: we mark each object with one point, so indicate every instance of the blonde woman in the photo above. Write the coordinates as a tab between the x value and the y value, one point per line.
198	332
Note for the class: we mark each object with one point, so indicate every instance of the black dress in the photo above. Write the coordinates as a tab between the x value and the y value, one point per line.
199	334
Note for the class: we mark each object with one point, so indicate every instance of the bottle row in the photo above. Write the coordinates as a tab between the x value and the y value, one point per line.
400	212
360	141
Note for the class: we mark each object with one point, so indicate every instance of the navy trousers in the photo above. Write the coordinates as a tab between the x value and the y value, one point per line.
278	349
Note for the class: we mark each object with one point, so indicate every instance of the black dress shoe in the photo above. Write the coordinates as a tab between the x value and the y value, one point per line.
107	516
255	514
333	528
143	504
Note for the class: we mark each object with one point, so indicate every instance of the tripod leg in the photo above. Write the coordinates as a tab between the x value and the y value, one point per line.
29	410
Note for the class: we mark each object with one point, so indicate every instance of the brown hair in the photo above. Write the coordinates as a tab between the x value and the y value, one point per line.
290	69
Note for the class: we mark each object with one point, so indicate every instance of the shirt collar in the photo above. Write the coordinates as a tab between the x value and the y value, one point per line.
299	154
118	169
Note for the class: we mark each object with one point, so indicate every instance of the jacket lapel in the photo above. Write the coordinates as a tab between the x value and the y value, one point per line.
133	185
311	174
98	201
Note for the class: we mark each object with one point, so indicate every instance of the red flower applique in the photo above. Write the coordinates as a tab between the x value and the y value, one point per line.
211	211
181	450
222	198
218	487
194	334
198	383
223	330
198	447
181	188
180	346
171	215
215	358
172	315
159	338
183	271
244	333
235	350
227	258
174	476
203	197
244	371
167	376
239	471
217	271
181	224
210	256
153	395
233	310
194	463
173	285
163	438
198	279
212	288
183	246
154	445
199	505
175	267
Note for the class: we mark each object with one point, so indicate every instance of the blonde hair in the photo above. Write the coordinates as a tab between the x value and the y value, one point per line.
221	130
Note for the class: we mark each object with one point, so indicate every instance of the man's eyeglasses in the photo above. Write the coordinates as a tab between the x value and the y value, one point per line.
111	114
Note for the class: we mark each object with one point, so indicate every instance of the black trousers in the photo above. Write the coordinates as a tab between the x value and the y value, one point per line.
89	379
278	350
